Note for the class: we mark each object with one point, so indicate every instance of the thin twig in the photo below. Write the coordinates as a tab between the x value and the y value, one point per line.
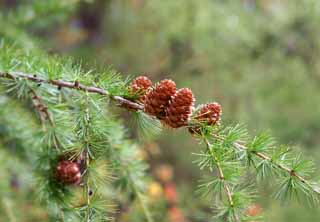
44	114
222	178
39	107
73	85
263	156
87	158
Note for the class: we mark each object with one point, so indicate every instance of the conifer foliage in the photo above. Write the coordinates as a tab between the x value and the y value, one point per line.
79	150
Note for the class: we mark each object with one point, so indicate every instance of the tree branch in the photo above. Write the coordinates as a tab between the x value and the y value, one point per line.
73	85
44	114
222	178
122	102
263	156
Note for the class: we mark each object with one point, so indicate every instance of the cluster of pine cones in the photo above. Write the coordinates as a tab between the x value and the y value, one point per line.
174	107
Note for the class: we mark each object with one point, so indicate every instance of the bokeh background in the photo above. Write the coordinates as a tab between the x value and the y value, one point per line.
258	58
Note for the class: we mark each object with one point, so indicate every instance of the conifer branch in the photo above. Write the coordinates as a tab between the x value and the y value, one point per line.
122	102
222	178
44	115
213	155
73	85
38	106
87	159
291	172
41	107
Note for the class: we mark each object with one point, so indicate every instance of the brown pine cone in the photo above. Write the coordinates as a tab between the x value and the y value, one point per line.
209	114
180	108
139	86
157	99
68	172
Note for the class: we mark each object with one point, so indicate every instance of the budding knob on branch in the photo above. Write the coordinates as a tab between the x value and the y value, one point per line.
68	172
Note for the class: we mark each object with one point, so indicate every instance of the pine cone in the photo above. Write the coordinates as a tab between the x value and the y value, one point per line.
157	99
68	172
180	108
139	86
209	114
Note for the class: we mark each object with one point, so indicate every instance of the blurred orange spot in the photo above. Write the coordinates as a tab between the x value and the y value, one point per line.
254	210
171	193
164	173
175	215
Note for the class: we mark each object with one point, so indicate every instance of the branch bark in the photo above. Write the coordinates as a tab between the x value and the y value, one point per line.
44	115
73	85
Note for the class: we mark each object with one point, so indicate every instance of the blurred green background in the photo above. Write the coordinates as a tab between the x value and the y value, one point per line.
258	58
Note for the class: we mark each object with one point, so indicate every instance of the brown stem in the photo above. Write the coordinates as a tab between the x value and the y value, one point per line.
44	114
41	107
38	106
73	85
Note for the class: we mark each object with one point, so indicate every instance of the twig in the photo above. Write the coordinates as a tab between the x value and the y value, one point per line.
73	85
87	159
263	156
39	107
44	114
222	178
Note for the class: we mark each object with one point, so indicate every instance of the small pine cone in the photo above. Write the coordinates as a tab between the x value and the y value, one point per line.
209	114
68	172
180	108
157	99
140	85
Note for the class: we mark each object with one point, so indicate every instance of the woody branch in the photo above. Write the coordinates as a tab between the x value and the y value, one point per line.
125	103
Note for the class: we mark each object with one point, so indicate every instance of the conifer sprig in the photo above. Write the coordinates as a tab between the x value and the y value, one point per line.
44	115
291	172
89	130
270	159
228	149
125	103
221	177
